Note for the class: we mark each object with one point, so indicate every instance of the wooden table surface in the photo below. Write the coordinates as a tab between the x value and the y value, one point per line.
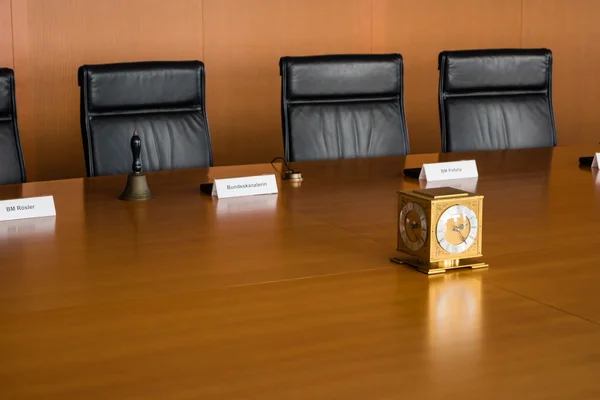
292	296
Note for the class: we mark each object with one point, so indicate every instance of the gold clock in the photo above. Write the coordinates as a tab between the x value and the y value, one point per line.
439	229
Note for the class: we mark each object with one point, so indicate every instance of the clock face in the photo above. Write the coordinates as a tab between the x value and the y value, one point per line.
412	224
457	228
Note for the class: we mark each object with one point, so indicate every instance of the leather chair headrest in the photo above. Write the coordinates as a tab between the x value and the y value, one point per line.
330	77
493	70
147	85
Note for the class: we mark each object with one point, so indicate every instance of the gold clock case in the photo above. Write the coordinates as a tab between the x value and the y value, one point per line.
431	258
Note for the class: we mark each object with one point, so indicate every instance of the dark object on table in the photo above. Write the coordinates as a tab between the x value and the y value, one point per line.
412	172
586	161
206	188
137	188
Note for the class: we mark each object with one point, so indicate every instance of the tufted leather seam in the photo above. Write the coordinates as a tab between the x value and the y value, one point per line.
145	111
491	94
355	130
370	131
337	119
507	144
171	148
322	119
339	100
155	154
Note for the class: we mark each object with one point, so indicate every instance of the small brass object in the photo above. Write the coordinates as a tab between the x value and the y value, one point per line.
292	175
439	229
137	188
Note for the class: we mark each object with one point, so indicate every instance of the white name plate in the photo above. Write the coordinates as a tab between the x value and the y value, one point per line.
32	207
449	170
596	162
246	186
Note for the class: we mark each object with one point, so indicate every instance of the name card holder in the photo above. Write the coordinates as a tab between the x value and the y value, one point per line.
245	186
32	207
449	170
596	162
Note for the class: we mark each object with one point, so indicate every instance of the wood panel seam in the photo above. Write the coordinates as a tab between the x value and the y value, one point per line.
496	286
522	22
203	30
12	35
372	25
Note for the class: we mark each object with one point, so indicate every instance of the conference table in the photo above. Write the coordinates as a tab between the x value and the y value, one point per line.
293	295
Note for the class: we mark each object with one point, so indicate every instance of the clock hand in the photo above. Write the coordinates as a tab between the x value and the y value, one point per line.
457	229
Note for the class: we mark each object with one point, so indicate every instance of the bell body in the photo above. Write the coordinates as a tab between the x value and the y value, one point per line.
137	188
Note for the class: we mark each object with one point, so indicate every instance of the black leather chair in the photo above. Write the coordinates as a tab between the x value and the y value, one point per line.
496	99
343	106
163	101
12	166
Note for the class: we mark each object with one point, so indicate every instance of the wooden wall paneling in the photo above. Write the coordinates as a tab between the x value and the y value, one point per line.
54	37
571	30
419	30
6	44
243	43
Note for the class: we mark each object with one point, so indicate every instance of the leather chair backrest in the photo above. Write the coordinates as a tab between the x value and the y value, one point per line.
496	99
343	106
163	101
12	166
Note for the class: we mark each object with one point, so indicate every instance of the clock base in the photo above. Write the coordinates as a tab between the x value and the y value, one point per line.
439	267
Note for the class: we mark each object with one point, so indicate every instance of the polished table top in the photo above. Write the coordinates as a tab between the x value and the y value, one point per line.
293	296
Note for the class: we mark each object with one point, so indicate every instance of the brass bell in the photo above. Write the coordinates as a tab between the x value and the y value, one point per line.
137	188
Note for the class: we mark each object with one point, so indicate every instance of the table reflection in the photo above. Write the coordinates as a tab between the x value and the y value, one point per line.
596	176
454	321
31	227
468	184
247	205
